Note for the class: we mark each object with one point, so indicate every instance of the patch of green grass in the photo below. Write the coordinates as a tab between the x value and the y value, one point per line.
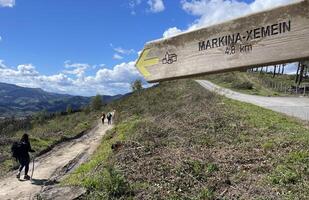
292	168
284	175
266	120
298	157
268	145
211	167
206	194
114	183
98	175
198	168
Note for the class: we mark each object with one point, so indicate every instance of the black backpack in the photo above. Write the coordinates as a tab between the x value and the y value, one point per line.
16	149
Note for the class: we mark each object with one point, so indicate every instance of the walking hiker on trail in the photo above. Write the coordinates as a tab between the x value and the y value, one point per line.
103	117
109	118
113	116
20	153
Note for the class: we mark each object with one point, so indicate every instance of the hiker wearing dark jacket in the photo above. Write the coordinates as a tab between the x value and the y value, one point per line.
109	118
103	118
23	156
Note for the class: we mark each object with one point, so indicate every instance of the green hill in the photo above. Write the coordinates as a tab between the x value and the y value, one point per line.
178	141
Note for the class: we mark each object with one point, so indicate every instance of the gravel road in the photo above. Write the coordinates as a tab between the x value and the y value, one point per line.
293	106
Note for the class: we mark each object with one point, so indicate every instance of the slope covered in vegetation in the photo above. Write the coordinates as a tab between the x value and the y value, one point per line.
256	83
179	141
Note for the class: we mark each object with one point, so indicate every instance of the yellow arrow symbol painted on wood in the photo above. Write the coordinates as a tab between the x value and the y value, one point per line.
144	62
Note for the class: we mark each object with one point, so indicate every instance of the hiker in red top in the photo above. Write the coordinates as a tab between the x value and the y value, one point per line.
22	155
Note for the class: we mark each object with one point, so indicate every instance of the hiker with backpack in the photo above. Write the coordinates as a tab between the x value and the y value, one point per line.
109	118
113	116
20	153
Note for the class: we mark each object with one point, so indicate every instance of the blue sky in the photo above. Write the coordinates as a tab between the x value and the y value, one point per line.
84	47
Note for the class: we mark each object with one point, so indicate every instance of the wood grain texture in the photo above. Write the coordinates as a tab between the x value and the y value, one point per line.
281	35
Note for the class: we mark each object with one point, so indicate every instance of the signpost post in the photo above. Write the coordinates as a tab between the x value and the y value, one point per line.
271	37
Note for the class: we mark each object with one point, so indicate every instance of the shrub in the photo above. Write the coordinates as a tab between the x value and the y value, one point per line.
137	86
246	85
115	183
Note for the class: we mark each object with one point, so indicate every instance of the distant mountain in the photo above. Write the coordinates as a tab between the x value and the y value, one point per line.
21	101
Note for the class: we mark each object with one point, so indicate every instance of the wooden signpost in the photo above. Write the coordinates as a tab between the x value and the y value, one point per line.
271	37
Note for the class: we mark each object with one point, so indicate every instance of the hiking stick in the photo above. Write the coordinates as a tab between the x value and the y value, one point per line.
32	167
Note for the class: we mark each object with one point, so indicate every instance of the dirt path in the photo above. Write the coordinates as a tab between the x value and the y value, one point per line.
292	106
53	165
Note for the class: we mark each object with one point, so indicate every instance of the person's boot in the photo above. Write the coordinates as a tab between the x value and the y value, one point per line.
26	177
18	175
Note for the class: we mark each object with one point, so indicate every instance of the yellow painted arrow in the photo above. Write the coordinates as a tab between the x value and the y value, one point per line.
144	62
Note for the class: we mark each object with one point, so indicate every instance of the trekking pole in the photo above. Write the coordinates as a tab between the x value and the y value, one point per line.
32	167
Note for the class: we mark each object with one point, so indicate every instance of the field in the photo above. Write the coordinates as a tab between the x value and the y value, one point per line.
179	141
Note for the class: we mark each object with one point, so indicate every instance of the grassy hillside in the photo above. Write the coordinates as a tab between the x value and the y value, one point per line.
255	83
179	141
43	134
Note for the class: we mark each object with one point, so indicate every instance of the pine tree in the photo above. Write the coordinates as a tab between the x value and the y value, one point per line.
69	109
96	102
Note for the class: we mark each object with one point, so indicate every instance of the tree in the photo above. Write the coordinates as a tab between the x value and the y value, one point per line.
69	109
41	116
96	102
137	85
86	109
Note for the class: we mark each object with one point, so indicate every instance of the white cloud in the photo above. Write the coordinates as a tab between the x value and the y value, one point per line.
2	65
171	32
134	3
7	3
211	12
124	72
73	80
121	52
0	38
27	70
124	51
111	81
116	56
77	69
156	5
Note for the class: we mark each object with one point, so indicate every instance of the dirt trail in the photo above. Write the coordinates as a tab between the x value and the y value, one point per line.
293	106
53	165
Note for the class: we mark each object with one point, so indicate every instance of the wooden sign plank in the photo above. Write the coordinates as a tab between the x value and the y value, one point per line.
271	37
